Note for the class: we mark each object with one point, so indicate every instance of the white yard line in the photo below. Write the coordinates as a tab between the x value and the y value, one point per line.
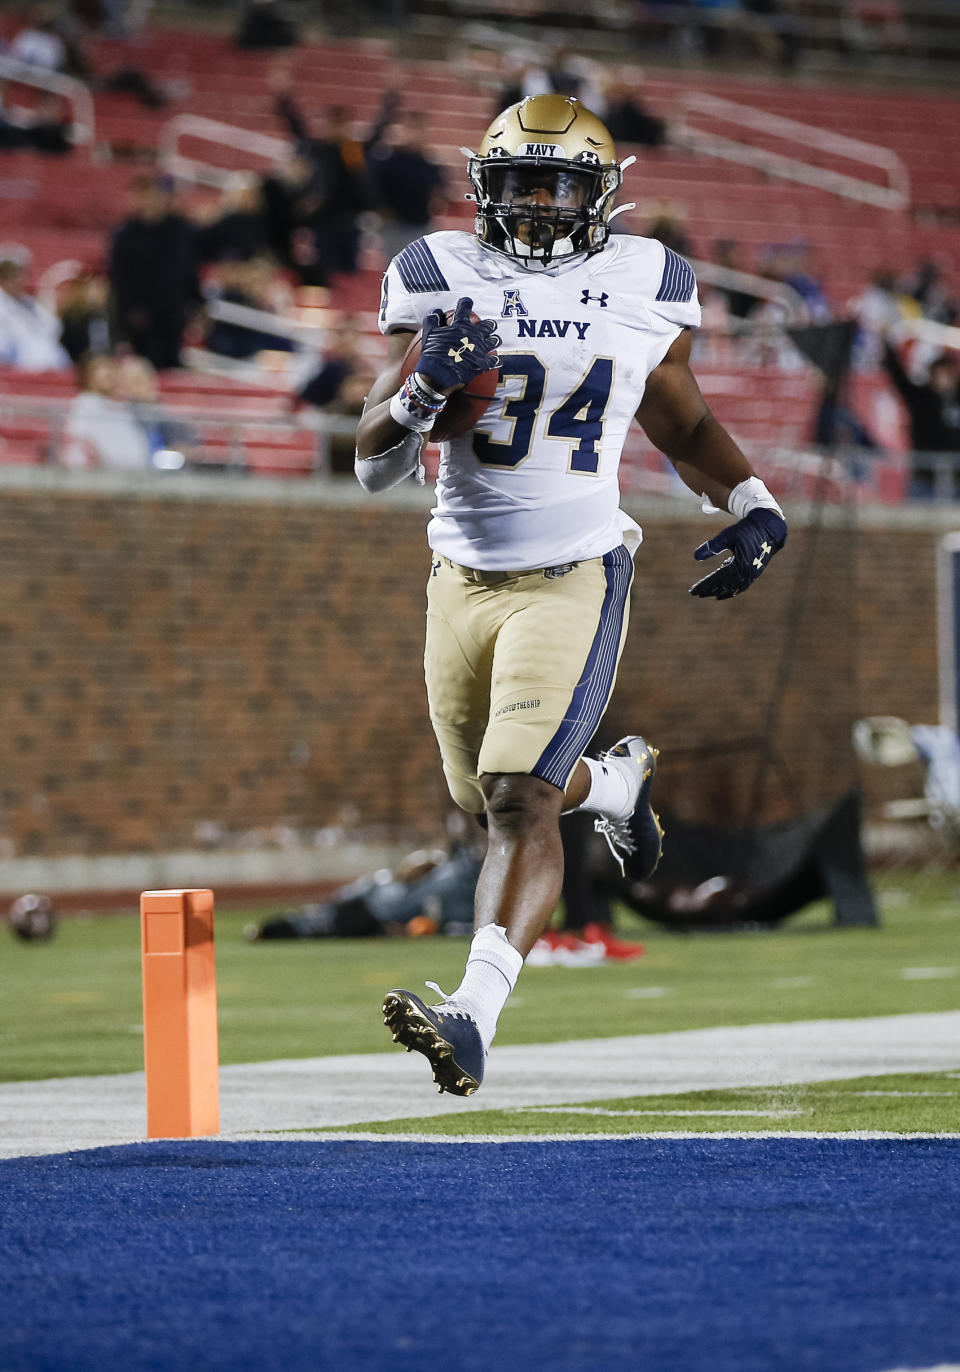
263	1099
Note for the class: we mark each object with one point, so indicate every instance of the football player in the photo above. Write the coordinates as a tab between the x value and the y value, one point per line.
532	557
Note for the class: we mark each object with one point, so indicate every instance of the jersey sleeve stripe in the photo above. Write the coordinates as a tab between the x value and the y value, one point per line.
679	282
418	269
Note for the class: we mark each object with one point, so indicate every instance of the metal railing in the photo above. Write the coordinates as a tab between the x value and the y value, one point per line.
894	196
83	128
263	145
791	302
212	437
265	321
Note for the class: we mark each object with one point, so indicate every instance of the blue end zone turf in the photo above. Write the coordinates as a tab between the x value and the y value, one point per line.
701	1255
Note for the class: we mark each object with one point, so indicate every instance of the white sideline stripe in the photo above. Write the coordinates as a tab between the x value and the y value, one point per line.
368	1136
307	1093
950	1095
673	1114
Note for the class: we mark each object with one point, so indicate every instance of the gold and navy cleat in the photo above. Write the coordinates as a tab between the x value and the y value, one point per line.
637	841
447	1037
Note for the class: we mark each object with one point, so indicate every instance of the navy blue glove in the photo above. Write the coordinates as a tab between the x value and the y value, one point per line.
753	541
453	354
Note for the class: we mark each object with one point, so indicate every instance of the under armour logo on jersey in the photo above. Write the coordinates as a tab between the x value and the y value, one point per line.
512	304
465	347
601	299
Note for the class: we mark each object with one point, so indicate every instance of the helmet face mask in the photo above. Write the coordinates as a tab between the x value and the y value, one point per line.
544	180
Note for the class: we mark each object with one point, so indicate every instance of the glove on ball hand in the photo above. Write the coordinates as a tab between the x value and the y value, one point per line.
753	541
453	354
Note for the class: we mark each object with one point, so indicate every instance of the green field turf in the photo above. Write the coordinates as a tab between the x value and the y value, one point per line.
72	1006
904	1103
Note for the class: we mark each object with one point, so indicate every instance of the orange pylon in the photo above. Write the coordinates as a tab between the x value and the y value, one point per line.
179	1013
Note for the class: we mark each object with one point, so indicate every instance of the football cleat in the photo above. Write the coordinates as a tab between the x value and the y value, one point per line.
560	948
638	838
614	949
447	1037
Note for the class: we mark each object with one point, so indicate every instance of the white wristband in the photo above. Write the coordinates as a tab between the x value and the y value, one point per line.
751	494
420	388
400	414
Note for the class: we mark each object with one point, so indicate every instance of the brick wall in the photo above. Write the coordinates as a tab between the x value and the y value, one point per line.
218	653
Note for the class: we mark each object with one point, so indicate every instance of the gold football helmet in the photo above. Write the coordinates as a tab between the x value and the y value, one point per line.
545	178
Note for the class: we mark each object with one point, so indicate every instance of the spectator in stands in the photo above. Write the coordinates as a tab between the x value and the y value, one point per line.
871	26
340	362
153	272
50	44
349	400
86	326
718	23
629	119
740	304
837	425
927	285
236	228
41	43
667	225
171	442
658	23
775	31
877	310
44	128
407	184
934	409
791	263
250	285
29	332
339	188
101	430
265	24
288	204
521	77
112	18
552	73
570	74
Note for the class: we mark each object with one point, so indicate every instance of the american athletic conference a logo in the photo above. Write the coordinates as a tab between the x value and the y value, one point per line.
601	299
512	304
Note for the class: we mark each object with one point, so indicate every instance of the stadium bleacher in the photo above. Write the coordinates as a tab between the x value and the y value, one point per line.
65	207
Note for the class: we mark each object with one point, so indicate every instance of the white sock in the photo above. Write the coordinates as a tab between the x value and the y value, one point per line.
493	966
610	791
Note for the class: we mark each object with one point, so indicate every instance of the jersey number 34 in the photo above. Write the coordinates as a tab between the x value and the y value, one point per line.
578	419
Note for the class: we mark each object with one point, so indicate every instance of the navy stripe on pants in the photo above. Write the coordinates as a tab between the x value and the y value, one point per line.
592	691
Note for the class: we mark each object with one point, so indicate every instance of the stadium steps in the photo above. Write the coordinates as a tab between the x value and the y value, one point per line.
716	199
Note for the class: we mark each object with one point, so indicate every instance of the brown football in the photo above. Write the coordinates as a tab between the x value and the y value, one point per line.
464	408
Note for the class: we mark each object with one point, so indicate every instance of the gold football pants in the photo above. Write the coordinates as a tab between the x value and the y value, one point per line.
520	666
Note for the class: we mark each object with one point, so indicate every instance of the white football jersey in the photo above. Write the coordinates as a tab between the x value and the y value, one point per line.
535	483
